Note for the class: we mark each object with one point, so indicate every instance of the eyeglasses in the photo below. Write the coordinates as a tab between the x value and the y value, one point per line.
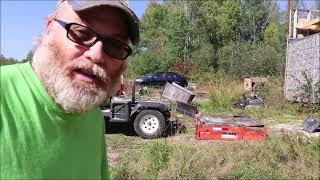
85	36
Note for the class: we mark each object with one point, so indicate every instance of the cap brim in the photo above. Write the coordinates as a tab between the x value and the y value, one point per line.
80	5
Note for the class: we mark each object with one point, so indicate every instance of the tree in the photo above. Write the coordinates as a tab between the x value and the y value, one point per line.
29	57
228	21
147	63
152	27
176	33
7	61
274	36
255	15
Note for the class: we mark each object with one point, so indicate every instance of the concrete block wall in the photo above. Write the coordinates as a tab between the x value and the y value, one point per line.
303	55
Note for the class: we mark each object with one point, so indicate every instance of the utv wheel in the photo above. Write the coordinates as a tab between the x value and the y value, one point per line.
149	124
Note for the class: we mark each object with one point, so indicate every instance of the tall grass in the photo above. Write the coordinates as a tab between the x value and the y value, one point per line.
159	156
227	91
224	93
277	158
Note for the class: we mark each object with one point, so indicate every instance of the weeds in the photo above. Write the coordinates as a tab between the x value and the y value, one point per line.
276	110
308	93
159	155
123	171
281	157
247	171
224	94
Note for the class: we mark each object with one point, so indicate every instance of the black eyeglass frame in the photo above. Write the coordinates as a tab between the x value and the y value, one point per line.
104	40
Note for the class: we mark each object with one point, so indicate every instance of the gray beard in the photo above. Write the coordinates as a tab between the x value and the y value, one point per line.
69	95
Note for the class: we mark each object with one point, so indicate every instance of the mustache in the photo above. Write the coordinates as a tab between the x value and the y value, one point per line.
94	69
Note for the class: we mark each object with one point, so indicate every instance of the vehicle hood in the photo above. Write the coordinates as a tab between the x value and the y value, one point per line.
142	78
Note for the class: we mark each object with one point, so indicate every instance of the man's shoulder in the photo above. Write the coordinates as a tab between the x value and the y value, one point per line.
8	71
96	113
12	69
8	67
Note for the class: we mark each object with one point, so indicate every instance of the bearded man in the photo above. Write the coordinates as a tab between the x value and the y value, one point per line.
50	124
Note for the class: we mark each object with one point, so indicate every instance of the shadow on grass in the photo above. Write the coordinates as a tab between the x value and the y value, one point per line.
173	128
120	128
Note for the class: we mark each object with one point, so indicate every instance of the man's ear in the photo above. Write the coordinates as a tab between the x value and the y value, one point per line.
48	25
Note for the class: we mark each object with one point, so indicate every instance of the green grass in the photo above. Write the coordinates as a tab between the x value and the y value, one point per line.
121	141
179	157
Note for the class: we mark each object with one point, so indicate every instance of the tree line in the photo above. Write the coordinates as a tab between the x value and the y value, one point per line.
237	37
9	60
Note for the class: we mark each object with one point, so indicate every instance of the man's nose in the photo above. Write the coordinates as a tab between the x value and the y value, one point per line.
96	54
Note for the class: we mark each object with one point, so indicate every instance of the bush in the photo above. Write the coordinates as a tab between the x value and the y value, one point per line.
308	93
249	59
145	64
225	92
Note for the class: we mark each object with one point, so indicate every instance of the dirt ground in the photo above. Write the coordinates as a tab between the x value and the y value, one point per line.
292	129
114	155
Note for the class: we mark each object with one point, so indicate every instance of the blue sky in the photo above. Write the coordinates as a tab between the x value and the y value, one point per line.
22	22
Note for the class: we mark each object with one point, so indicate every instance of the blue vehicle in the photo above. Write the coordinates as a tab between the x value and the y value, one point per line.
160	79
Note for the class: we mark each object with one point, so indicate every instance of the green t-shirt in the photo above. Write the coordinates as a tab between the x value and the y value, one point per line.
40	141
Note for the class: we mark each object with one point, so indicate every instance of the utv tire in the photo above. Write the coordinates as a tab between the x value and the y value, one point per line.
149	124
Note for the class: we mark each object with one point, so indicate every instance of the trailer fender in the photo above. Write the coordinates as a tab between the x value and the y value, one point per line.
150	105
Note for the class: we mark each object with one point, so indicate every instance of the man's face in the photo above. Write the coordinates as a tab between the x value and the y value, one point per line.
77	77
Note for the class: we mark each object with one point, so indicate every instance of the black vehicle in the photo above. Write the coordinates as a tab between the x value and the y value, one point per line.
160	79
149	117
